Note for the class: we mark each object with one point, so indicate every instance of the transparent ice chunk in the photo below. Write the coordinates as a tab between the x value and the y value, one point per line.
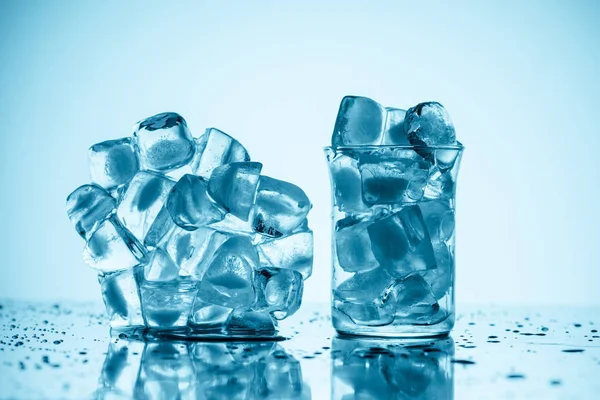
234	186
121	297
293	252
279	291
440	185
112	248
368	298
113	162
248	322
281	377
160	267
347	183
167	305
416	302
280	207
391	182
166	372
142	202
429	124
216	148
394	133
88	207
208	317
190	206
164	142
438	217
228	279
353	245
360	121
120	370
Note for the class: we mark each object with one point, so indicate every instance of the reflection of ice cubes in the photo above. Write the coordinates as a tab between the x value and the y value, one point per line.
228	279
401	242
429	124
234	185
113	162
391	182
189	204
346	181
120	370
394	128
208	317
353	246
360	121
166	372
167	305
280	207
120	295
294	252
160	267
249	322
368	298
216	148
143	201
87	207
164	142
416	302
280	377
112	248
279	291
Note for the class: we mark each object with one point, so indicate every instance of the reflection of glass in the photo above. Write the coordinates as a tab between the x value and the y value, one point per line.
393	239
379	369
197	370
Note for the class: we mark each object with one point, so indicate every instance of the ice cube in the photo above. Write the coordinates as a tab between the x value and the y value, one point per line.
401	242
279	291
120	295
438	217
88	207
166	372
280	377
280	207
360	121
120	369
190	206
228	279
113	162
234	185
440	185
248	322
167	305
160	267
143	201
216	148
416	302
429	124
208	317
353	245
391	182
164	142
112	248
440	278
368	298
346	182
293	252
394	128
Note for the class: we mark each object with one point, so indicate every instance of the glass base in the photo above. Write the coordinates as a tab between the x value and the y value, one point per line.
346	328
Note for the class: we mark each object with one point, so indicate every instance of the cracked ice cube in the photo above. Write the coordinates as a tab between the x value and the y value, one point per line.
234	186
429	124
360	121
293	252
167	305
164	142
394	133
113	162
88	206
368	298
190	205
353	246
279	291
160	267
216	148
208	317
249	322
280	207
416	302
391	182
142	202
120	295
228	279
112	248
401	242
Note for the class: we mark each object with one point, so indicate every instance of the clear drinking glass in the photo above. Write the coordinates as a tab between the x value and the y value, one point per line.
393	213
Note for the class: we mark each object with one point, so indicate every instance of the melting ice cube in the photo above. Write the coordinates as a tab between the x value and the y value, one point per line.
394	133
360	121
353	246
429	124
87	207
249	322
279	291
293	252
113	162
216	148
234	186
120	295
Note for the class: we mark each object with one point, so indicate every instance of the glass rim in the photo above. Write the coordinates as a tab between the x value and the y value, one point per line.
372	147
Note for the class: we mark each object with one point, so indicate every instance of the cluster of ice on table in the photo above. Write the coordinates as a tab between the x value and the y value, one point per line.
176	370
393	179
186	233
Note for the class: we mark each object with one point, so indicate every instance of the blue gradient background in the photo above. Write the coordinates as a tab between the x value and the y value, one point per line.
519	78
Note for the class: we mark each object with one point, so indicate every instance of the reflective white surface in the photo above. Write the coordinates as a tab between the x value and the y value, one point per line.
65	351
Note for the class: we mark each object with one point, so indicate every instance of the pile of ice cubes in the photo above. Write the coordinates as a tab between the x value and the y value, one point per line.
393	180
186	234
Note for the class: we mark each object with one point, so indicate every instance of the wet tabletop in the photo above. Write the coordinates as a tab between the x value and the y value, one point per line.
64	350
